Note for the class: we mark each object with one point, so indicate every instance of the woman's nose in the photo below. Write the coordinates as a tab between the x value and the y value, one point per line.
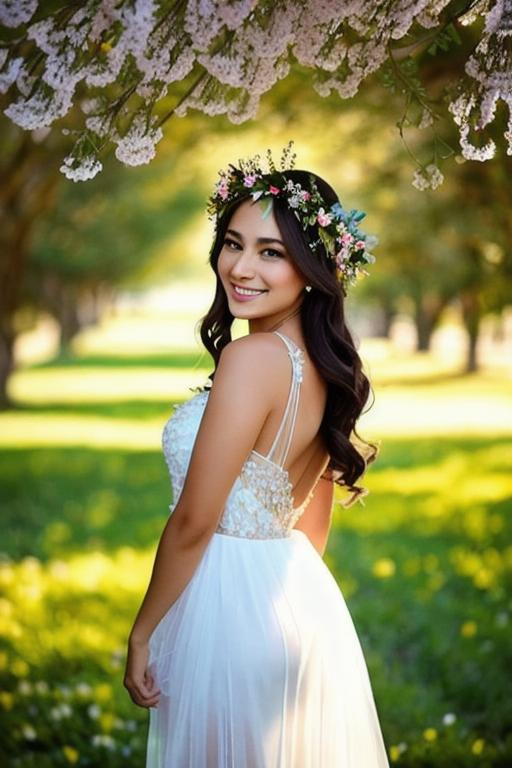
244	265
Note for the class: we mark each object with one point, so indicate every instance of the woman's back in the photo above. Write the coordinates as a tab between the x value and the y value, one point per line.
307	455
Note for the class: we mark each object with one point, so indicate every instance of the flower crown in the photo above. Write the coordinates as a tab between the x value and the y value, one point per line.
339	237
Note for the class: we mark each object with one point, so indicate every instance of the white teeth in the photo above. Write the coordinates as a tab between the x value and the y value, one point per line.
246	291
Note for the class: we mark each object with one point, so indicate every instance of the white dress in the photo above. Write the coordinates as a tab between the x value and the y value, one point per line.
258	661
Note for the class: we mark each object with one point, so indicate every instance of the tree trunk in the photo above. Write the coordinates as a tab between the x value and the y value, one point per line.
6	364
385	321
427	311
471	315
68	319
424	328
28	180
11	275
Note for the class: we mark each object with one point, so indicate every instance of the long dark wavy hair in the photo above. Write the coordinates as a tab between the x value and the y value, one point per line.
327	338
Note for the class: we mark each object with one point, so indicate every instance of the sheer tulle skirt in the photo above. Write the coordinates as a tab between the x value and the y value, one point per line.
259	666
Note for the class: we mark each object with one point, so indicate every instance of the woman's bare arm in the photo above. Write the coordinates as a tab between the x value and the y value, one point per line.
241	398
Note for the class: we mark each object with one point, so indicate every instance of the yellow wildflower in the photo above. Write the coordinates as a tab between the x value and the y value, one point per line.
102	692
6	699
478	746
71	754
383	568
19	667
469	629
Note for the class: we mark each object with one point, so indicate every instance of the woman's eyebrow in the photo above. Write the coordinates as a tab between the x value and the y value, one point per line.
259	240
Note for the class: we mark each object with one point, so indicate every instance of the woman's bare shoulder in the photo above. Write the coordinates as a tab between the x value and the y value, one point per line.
257	347
257	361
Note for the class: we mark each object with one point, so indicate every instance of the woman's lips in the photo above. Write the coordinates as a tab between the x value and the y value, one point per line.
242	296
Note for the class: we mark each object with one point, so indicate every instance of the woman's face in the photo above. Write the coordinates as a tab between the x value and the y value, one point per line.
253	257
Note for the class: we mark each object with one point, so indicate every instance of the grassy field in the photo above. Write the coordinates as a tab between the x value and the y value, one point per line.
425	565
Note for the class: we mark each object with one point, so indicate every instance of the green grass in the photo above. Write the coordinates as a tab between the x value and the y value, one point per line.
425	565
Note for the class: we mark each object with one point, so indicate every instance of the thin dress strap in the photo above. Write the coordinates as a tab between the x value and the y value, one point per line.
281	445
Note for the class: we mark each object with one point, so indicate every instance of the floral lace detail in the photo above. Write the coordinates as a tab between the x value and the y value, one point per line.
260	503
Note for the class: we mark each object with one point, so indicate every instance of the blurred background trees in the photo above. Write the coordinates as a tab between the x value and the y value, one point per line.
68	249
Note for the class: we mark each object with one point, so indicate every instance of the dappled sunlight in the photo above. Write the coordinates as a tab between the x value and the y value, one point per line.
151	321
425	565
96	384
19	430
475	407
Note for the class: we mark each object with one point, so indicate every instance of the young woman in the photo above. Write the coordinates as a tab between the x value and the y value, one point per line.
243	648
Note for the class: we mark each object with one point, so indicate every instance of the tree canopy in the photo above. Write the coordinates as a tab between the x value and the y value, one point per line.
132	64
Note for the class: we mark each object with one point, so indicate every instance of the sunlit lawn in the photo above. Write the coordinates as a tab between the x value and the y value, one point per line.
425	565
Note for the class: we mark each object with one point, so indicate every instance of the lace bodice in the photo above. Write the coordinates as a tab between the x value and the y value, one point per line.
260	503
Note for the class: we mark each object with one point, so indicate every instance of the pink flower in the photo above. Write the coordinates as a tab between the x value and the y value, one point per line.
323	218
250	180
360	244
340	258
274	190
305	195
223	189
347	238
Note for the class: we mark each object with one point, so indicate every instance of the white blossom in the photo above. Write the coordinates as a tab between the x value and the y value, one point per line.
94	711
240	49
103	740
11	74
427	178
80	170
16	12
426	119
490	67
137	147
83	689
29	733
60	711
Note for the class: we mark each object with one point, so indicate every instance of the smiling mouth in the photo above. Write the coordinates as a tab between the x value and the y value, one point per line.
247	291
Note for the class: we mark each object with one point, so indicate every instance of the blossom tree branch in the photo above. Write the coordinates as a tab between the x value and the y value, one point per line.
132	64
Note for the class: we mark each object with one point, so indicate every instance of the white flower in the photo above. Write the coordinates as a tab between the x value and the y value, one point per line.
146	49
80	170
8	77
83	689
137	147
427	178
93	711
426	119
103	740
449	718
436	177
16	12
29	733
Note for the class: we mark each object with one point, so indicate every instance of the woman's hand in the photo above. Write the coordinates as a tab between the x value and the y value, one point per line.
137	678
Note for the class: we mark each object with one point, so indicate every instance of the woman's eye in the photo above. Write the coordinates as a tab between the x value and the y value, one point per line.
231	243
273	253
